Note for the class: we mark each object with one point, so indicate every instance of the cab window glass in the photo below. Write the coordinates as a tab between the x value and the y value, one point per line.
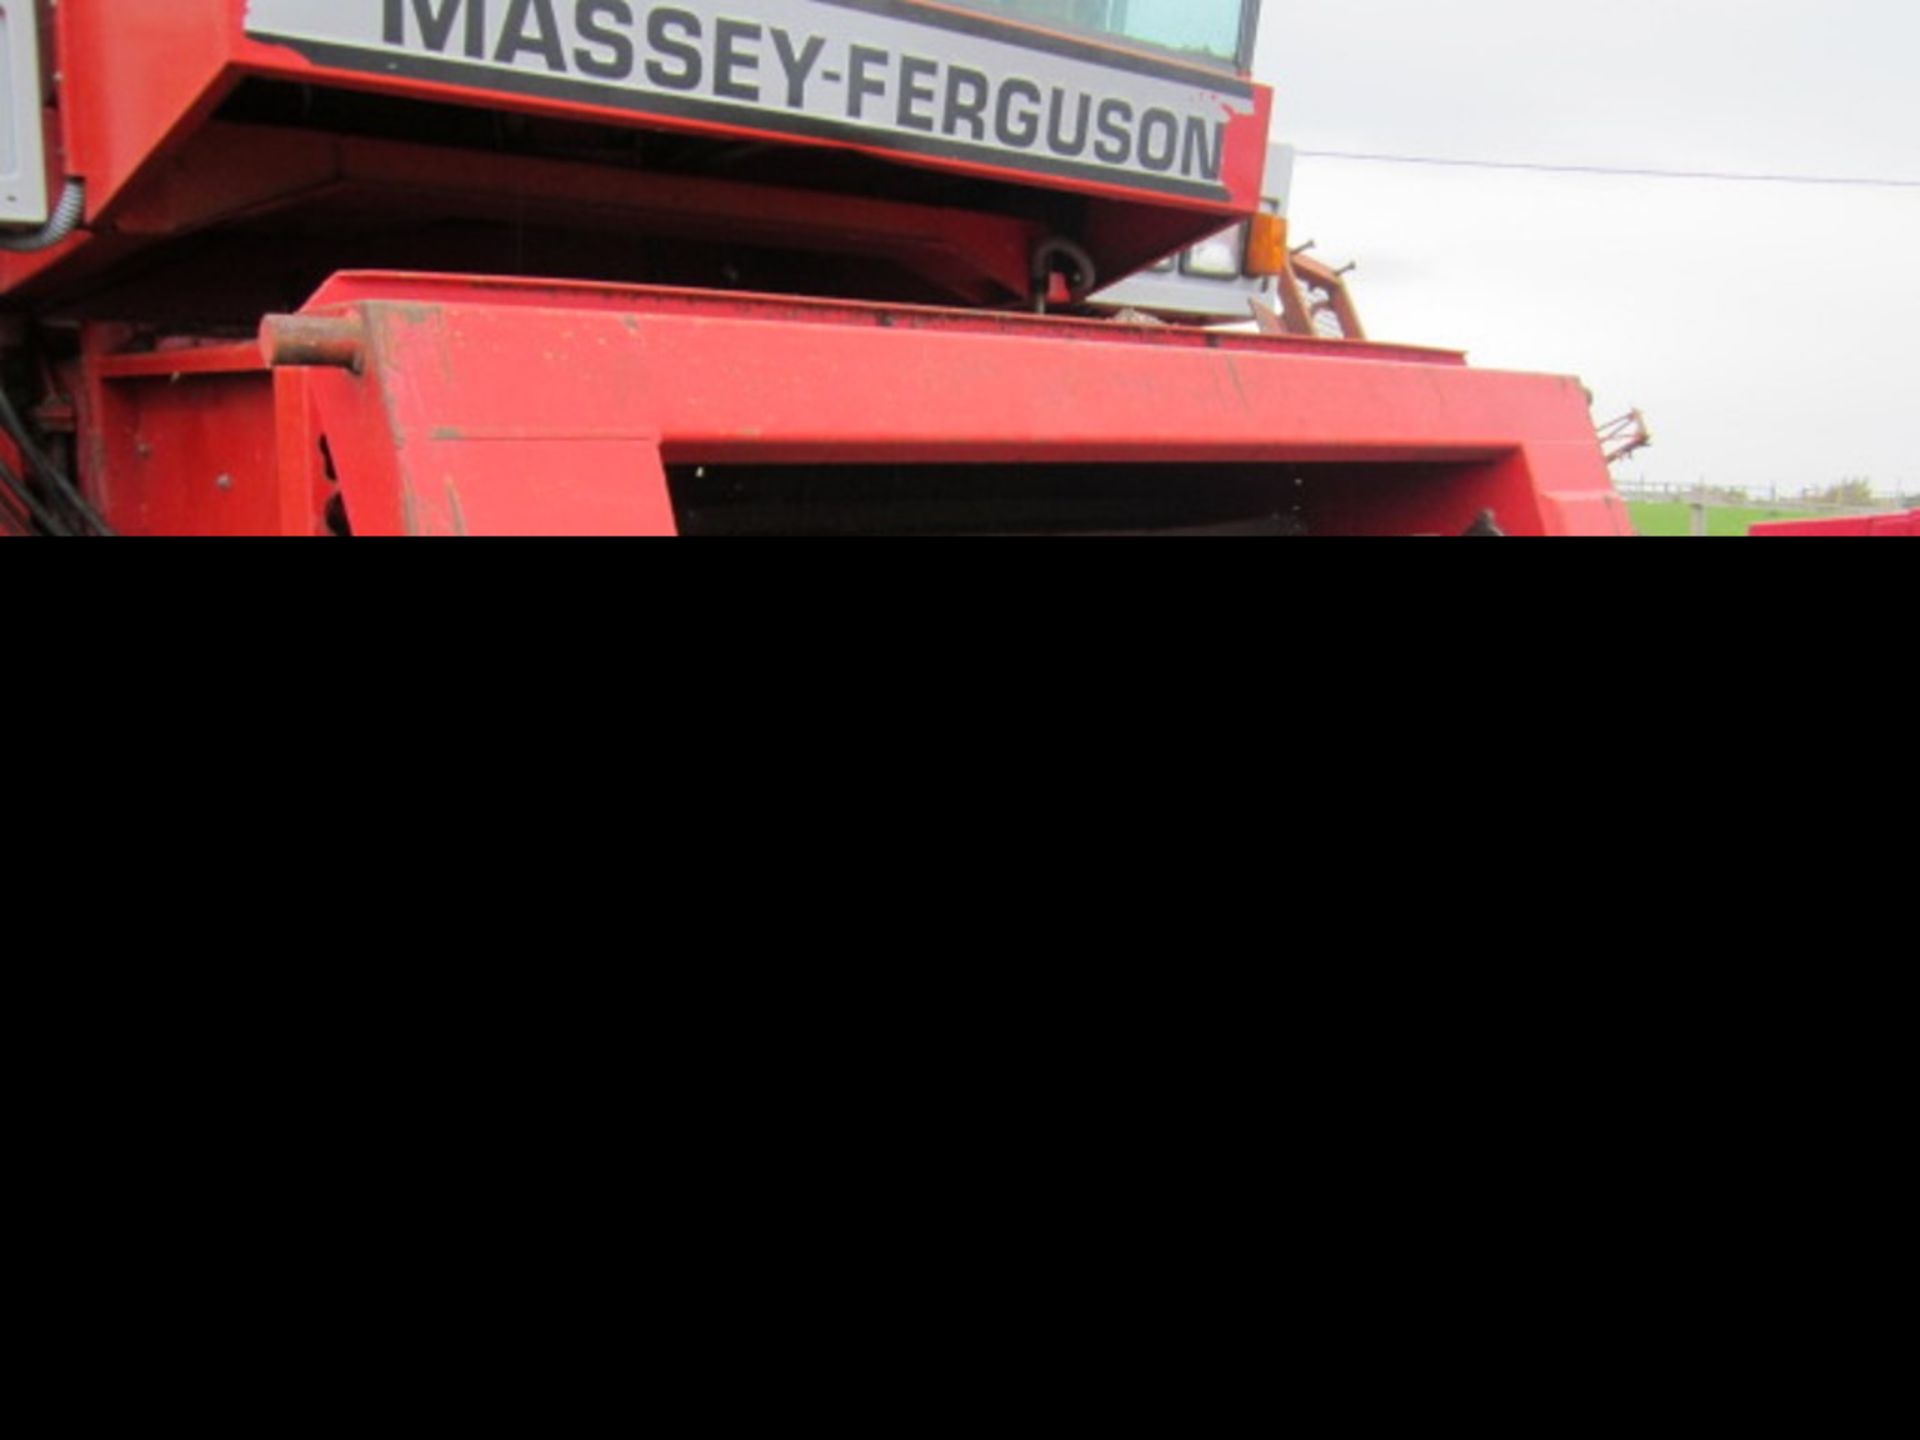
1206	29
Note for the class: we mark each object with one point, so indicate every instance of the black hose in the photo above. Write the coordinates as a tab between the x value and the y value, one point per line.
36	513
50	474
13	521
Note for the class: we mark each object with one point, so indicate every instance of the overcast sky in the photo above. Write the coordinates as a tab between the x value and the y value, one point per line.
1770	332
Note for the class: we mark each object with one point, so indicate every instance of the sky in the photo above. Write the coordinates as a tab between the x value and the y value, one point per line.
1770	333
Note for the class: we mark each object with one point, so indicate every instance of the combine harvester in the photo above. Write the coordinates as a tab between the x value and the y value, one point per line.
466	267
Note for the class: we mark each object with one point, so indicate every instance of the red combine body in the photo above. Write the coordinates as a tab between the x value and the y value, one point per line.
1850	526
599	266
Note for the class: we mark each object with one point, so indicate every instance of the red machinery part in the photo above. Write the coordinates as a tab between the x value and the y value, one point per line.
228	175
140	120
1851	526
461	406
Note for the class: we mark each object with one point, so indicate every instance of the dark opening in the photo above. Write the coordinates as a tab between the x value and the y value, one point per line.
984	499
1163	499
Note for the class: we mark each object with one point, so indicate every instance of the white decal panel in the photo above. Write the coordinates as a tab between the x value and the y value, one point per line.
874	72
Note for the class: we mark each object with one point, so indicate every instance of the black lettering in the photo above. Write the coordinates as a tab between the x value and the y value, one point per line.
1166	125
435	19
614	61
660	25
1018	132
514	38
798	67
1058	142
1115	145
914	93
1206	149
859	59
729	58
970	109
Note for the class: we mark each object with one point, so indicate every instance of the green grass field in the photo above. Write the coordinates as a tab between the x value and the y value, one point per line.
1658	519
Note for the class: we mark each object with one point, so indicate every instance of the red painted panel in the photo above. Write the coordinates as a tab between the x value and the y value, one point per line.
1879	526
137	77
143	81
140	76
490	384
203	441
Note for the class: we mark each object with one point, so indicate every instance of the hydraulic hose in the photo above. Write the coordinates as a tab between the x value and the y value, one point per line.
30	512
50	474
63	222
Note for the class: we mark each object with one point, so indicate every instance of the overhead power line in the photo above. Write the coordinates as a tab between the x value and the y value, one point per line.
1856	181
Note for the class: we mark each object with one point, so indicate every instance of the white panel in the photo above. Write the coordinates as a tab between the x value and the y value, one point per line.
23	162
925	80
